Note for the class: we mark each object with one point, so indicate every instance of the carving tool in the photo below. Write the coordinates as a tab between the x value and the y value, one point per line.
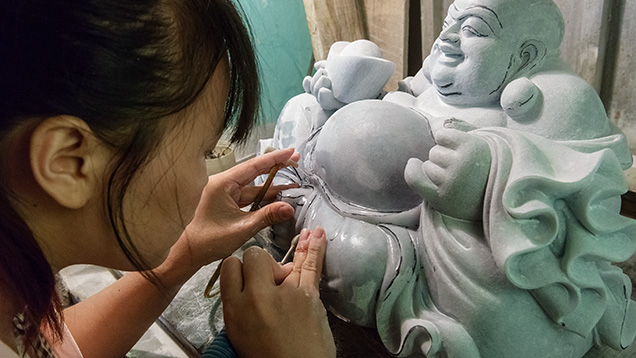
208	293
270	178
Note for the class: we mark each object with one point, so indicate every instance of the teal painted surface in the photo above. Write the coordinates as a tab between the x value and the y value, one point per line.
283	46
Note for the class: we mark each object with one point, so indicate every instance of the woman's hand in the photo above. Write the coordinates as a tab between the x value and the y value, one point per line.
219	226
275	311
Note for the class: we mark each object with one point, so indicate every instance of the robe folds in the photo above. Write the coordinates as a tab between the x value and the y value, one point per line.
534	278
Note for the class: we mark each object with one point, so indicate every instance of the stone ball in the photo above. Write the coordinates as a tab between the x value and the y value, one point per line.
363	149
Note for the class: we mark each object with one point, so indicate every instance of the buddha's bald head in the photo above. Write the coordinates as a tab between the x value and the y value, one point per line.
526	19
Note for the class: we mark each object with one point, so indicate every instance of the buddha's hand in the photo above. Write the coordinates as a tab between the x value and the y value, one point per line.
275	311
453	180
320	86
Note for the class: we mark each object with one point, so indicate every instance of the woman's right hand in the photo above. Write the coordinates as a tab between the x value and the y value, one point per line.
275	311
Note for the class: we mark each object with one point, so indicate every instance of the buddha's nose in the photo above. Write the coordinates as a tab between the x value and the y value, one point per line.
450	33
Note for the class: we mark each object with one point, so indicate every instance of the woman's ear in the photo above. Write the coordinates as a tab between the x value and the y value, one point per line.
67	160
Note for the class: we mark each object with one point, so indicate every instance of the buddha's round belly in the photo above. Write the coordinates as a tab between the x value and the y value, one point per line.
363	149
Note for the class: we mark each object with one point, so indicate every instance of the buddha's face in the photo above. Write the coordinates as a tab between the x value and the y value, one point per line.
475	55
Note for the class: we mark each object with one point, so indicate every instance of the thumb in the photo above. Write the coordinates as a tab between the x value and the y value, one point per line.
417	179
327	99
320	64
274	213
282	271
307	84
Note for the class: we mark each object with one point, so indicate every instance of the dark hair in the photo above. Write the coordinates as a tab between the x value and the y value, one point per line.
122	67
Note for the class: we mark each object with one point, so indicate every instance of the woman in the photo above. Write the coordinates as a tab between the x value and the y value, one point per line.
106	111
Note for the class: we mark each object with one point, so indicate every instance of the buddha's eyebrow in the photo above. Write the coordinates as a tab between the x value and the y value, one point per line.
453	11
488	12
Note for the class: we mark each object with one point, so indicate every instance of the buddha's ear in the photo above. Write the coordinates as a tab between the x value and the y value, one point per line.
67	160
531	57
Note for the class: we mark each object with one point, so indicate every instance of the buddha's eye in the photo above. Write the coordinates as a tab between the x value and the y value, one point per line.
472	31
475	26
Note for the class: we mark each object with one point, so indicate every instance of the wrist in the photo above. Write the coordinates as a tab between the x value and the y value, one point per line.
175	270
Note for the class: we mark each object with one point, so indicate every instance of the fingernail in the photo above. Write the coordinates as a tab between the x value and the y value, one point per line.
304	235
318	232
286	212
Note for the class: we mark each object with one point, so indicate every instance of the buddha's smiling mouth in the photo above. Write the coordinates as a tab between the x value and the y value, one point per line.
446	90
449	54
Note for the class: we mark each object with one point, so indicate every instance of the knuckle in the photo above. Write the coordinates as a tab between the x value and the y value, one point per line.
429	167
312	260
270	217
326	93
297	270
310	265
252	253
442	134
436	154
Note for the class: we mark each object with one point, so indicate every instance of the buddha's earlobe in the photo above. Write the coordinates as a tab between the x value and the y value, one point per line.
65	158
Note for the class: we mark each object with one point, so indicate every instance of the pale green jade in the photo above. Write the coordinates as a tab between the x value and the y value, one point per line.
475	212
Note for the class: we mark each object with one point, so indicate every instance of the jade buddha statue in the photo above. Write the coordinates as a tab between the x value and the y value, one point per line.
474	212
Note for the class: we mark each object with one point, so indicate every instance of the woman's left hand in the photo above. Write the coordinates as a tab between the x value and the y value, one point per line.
275	311
219	226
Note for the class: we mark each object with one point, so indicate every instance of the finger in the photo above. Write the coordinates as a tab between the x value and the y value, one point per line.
450	138
434	172
281	273
274	213
318	75
258	268
275	189
299	258
245	173
441	156
417	179
323	82
248	193
231	280
312	265
307	84
327	100
320	64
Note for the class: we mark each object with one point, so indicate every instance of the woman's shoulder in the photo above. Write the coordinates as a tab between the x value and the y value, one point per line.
6	352
67	347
